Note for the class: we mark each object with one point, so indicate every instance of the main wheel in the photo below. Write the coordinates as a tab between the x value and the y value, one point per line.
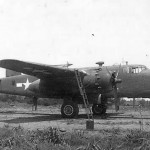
69	110
98	109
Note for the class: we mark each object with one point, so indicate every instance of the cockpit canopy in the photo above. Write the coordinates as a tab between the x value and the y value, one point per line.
134	68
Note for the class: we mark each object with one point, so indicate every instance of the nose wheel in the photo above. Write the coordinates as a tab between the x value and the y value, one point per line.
98	109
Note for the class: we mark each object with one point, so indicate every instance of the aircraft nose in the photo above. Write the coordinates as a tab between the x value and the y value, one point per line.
146	72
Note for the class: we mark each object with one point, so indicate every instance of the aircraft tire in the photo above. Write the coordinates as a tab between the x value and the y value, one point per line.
98	109
69	110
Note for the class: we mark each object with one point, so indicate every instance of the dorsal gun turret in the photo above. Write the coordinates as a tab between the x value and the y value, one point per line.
100	63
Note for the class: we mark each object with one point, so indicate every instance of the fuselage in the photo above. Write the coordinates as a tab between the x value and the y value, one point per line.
135	83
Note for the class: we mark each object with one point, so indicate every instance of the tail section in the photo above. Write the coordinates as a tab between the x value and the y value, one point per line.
17	85
10	73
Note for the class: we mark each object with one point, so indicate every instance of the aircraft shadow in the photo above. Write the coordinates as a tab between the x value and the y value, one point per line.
27	113
122	116
39	117
42	117
52	117
33	119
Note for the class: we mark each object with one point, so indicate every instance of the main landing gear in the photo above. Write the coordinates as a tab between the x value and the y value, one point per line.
69	109
100	107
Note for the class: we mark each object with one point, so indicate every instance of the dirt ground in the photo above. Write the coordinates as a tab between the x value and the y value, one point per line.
21	114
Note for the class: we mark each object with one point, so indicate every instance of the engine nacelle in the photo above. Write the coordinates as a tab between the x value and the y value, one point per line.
102	79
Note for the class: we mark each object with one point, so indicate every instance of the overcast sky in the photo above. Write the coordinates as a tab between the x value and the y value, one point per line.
79	31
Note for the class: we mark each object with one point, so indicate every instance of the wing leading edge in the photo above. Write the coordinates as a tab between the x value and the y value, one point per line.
41	71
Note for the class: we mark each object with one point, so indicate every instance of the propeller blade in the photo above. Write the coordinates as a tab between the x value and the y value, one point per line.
116	99
114	82
109	71
118	71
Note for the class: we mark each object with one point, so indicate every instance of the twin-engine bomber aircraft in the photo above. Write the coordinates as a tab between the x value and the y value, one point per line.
100	83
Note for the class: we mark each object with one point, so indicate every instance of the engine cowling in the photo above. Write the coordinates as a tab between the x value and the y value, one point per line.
104	80
101	79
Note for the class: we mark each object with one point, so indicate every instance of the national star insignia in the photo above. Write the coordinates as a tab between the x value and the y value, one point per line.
26	84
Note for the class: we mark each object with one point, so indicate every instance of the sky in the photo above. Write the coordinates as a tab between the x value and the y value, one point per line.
81	32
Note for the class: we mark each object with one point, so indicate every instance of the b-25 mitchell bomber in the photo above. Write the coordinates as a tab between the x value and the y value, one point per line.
97	83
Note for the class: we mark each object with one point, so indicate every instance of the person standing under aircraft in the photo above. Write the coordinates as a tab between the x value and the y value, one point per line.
34	106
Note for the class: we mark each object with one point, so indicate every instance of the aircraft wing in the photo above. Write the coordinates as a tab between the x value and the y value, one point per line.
38	70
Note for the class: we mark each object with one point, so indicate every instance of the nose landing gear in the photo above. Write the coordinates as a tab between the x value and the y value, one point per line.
99	109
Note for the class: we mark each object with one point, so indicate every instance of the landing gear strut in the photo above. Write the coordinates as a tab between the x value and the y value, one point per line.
100	107
69	109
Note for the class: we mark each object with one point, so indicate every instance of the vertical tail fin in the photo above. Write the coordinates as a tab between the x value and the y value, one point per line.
11	73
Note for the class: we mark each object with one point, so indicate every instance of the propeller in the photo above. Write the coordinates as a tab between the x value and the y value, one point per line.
114	82
116	98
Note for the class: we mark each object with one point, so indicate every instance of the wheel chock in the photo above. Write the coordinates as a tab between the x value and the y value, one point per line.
90	124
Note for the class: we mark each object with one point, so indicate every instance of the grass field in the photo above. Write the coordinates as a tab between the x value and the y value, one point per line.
17	138
112	138
23	129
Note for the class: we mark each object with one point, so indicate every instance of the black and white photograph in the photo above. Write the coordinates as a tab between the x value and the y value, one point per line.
74	75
